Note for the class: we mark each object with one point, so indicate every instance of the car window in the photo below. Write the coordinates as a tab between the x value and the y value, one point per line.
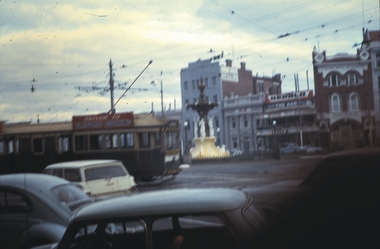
191	231
104	172
72	175
69	194
57	172
327	172
110	235
13	202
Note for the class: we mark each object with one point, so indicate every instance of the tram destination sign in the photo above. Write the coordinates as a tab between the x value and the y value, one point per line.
103	121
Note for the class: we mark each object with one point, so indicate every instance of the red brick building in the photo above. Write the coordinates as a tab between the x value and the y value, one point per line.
344	99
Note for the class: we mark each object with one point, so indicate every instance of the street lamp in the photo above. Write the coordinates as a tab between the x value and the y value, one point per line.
185	124
218	131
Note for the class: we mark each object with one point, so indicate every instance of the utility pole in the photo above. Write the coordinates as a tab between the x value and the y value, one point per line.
111	87
162	99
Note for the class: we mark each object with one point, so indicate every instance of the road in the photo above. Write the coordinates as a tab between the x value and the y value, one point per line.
236	174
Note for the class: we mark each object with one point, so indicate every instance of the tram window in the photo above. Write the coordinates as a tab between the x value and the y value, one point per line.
127	140
63	144
2	147
10	147
38	145
144	140
81	143
115	141
96	142
108	141
158	138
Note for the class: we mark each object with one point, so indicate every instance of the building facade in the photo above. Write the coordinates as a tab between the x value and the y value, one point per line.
344	98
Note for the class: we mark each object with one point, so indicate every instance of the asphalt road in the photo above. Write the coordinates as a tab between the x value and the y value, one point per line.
236	174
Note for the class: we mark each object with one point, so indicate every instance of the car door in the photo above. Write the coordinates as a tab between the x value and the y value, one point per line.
15	208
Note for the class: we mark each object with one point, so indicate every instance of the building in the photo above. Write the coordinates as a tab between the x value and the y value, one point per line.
222	81
344	98
371	42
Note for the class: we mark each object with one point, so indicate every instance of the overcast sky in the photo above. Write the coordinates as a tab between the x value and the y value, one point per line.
57	46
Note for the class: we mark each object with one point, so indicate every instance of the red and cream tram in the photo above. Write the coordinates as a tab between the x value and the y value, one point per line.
147	145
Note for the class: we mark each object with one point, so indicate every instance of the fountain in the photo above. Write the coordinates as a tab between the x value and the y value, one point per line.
204	138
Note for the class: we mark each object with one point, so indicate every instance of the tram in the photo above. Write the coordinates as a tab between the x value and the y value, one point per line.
147	145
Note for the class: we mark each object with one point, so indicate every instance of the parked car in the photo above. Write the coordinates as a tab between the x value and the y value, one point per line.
336	206
289	148
310	149
190	218
97	178
33	210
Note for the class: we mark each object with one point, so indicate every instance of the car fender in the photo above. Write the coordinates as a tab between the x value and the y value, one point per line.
48	231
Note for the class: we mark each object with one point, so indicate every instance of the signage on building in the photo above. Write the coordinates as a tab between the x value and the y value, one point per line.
229	74
286	104
288	97
103	121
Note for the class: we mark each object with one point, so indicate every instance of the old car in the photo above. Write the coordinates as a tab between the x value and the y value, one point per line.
336	206
35	209
289	148
97	178
180	218
311	149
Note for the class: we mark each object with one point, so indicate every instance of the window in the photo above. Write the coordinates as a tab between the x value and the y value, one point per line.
215	98
185	85
172	140
193	84
10	147
233	123
245	121
352	79
206	82
144	140
335	102
194	100
334	80
13	202
81	143
260	87
2	147
377	60
127	140
234	143
112	141
214	80
38	145
72	175
353	102
96	142
63	144
275	88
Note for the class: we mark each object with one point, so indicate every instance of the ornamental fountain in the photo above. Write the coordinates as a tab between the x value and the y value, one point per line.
204	138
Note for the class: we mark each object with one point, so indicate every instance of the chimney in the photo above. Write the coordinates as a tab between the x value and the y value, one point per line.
242	65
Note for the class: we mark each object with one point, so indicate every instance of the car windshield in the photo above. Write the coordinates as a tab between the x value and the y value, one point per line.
104	172
70	195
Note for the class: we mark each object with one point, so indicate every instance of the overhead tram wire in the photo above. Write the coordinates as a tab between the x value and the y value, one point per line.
110	111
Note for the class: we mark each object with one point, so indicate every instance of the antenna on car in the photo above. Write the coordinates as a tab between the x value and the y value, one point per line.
113	107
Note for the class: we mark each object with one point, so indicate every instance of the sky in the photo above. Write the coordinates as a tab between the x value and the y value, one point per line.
62	49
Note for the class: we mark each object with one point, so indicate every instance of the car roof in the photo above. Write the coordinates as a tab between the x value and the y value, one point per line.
34	183
354	153
162	202
82	163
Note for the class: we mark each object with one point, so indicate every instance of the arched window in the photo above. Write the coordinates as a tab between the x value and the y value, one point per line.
352	79
353	102
334	80
335	103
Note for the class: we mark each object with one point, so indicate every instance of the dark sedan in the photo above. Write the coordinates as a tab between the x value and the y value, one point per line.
336	206
35	209
181	218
